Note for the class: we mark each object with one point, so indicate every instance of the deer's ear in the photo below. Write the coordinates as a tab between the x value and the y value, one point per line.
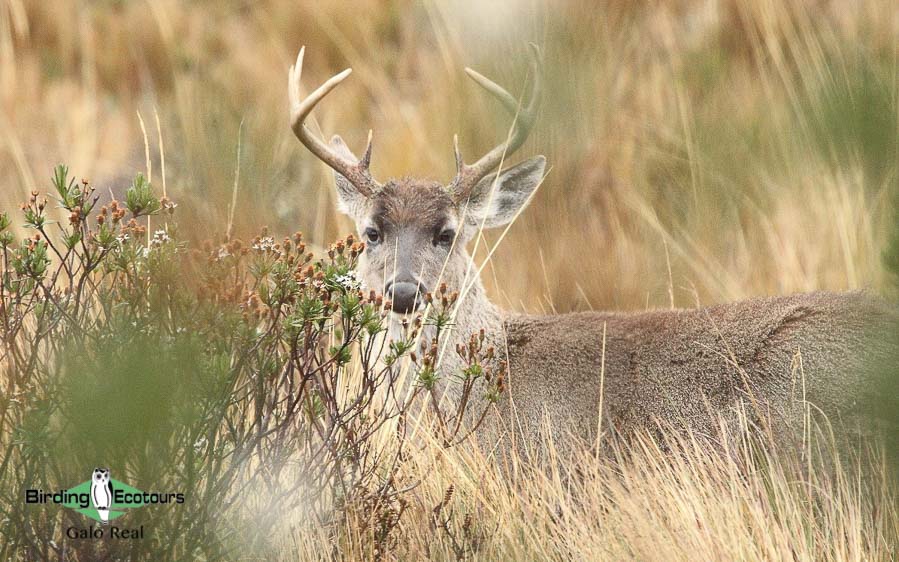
348	197
496	201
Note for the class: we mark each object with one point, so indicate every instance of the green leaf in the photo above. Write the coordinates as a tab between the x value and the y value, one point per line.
140	199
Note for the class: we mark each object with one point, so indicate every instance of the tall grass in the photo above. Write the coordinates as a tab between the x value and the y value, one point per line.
752	145
677	499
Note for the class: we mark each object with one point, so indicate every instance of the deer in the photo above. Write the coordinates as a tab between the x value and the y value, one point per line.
584	373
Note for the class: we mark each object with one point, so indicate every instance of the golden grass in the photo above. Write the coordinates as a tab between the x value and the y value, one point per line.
688	501
728	136
700	152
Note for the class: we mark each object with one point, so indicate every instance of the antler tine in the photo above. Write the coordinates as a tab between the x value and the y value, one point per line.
356	172
467	176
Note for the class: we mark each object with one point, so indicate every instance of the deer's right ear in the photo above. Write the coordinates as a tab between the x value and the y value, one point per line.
349	199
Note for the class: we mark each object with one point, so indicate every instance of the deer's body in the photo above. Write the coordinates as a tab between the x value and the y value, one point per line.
764	356
676	366
679	366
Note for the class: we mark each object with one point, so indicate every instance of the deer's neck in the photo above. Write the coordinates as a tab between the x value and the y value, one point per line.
474	312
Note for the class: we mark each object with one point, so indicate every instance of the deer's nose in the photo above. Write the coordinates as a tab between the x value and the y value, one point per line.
404	295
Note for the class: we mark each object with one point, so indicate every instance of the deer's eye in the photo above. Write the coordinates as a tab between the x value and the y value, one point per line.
372	236
445	238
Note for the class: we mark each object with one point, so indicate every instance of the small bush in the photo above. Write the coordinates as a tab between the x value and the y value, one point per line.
253	378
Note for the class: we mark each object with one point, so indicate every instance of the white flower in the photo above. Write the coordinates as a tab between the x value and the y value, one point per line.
122	238
222	254
348	281
265	244
160	237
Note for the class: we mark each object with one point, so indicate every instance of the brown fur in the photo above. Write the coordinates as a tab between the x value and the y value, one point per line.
680	366
410	202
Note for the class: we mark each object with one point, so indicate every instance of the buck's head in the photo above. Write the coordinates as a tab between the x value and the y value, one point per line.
415	231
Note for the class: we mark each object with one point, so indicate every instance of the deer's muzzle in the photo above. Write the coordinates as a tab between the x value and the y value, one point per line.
405	296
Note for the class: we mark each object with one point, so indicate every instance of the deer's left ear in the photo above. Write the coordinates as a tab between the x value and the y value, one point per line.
496	201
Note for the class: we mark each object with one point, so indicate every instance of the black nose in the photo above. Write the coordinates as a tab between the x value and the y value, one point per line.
403	295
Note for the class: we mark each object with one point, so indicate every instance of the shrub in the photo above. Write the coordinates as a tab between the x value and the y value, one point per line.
253	378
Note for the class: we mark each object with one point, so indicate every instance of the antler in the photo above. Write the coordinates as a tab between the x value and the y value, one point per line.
467	176
356	172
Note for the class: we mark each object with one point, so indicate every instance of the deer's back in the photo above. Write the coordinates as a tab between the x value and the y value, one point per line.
680	365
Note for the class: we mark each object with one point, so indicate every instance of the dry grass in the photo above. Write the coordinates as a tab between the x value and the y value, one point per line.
678	499
700	152
751	141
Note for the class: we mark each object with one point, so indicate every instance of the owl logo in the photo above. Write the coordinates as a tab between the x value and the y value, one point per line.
101	493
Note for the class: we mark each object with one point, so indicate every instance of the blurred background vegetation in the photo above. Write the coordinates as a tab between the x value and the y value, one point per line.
701	151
